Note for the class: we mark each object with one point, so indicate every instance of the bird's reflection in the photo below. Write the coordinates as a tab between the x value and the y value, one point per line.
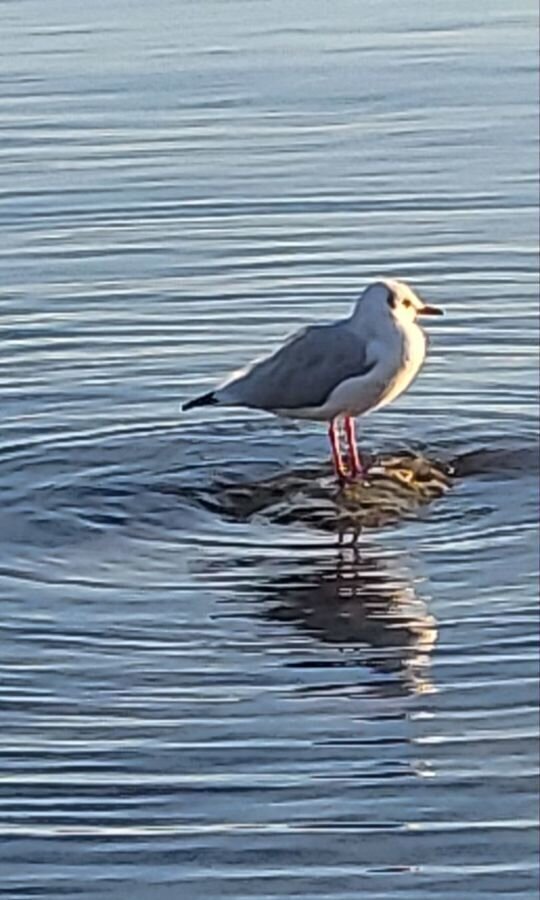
365	605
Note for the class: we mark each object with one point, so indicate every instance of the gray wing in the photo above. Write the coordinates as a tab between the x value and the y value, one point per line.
304	371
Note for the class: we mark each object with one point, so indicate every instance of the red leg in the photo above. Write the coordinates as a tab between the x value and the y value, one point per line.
339	465
355	462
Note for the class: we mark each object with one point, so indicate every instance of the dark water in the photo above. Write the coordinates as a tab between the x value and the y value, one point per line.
198	708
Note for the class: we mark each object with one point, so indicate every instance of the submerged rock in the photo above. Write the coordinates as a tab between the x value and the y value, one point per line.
394	487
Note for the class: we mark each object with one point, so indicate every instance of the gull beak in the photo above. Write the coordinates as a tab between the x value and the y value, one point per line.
430	311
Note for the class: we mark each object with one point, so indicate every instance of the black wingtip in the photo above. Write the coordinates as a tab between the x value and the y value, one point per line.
205	400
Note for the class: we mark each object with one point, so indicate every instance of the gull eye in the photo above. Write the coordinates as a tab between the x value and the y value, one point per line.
407	303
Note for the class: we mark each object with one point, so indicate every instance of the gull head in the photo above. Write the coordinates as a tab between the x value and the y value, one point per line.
388	296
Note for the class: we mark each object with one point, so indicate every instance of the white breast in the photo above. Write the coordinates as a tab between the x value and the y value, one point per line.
413	355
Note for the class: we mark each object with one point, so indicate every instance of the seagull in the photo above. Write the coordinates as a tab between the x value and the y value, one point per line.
337	371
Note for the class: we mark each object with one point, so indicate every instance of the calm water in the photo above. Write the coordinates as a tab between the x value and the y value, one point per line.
198	708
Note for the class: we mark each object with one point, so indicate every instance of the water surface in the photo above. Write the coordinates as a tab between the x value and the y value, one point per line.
200	708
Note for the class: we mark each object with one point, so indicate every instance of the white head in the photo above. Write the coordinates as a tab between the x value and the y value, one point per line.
396	299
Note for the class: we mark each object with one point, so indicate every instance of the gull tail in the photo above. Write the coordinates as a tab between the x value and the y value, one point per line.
209	399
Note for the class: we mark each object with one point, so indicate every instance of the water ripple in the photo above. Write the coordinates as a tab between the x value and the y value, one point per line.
201	707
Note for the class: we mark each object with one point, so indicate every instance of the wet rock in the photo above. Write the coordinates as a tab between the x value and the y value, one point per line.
395	487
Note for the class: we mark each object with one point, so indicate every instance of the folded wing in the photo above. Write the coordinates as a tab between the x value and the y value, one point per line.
303	372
